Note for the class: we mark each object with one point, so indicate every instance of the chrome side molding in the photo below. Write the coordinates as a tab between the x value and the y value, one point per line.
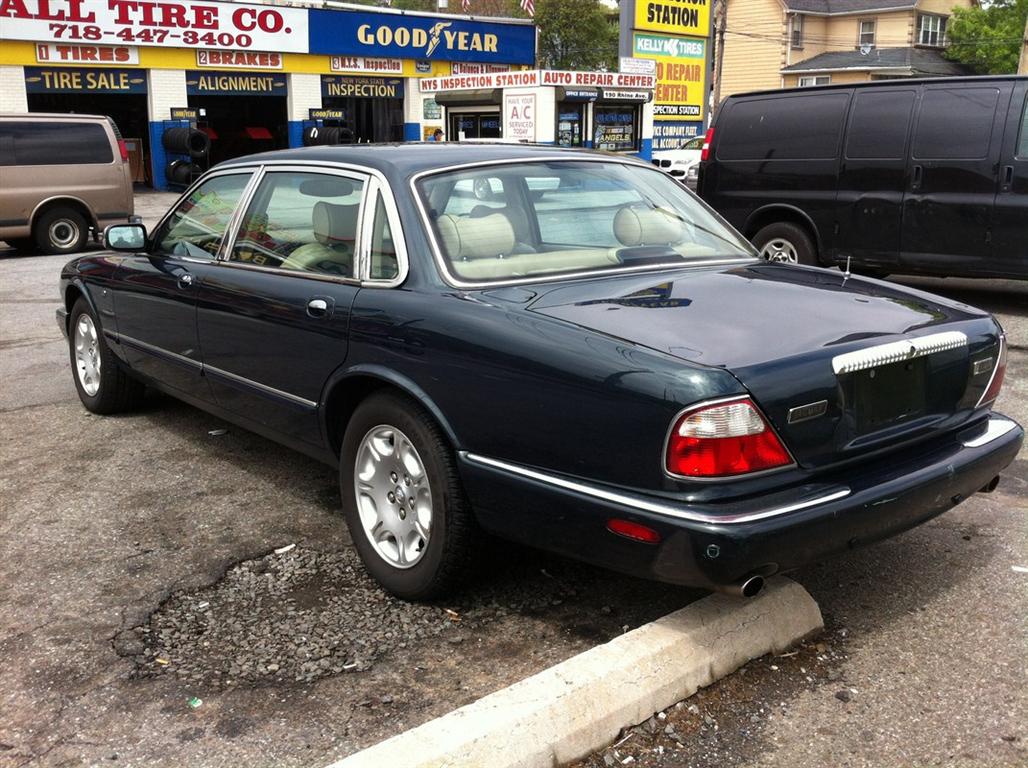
670	510
896	351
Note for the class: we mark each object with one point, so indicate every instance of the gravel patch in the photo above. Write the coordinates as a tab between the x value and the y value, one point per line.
297	615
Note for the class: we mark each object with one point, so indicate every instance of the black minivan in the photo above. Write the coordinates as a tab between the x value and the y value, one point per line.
898	176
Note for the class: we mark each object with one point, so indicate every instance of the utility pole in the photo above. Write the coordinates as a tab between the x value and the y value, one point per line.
720	21
1022	68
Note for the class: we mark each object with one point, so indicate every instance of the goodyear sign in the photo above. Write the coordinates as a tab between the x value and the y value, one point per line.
202	83
67	80
676	17
361	87
420	37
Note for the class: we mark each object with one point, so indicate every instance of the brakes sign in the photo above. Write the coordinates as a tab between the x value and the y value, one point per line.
179	24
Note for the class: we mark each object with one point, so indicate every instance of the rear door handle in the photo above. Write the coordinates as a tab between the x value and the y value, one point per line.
320	307
1008	177
918	176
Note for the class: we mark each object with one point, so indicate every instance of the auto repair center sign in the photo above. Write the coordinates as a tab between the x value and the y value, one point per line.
198	24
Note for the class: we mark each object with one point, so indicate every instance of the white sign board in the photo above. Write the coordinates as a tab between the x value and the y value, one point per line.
519	116
632	66
52	53
365	64
238	59
534	77
471	68
178	24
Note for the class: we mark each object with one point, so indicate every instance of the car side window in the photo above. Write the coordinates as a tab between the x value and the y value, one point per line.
302	221
197	227
935	137
384	263
879	122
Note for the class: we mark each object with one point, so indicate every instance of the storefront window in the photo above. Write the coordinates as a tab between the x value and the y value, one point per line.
475	125
616	128
570	124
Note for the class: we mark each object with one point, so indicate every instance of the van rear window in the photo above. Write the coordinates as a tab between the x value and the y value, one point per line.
53	143
783	128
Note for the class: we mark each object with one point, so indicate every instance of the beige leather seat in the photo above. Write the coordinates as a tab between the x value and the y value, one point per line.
636	225
335	230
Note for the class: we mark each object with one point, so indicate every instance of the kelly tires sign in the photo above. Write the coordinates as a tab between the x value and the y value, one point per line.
681	75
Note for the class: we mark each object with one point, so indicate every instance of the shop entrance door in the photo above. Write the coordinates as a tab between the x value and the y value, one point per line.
242	125
475	125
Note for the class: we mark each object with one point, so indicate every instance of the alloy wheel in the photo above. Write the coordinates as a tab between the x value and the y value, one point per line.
87	355
394	496
779	249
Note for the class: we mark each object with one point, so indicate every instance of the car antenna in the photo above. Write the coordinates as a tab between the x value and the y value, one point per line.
846	274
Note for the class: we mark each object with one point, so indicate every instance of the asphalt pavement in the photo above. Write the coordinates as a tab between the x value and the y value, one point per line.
174	594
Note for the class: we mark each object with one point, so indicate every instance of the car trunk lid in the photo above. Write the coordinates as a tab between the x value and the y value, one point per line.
840	365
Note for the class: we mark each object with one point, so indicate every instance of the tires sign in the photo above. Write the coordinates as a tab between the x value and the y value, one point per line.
179	24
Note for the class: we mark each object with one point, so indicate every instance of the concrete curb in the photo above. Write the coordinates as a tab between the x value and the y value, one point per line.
574	708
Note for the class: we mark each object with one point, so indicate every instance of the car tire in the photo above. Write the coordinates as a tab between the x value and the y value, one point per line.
60	230
104	387
23	244
786	242
393	452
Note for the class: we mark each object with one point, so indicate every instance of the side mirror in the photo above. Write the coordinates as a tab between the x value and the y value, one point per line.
125	237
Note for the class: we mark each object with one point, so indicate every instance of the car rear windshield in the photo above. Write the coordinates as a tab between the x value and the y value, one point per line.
535	219
46	142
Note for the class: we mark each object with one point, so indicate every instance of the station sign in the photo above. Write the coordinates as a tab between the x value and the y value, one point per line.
64	53
473	68
638	97
178	24
361	87
673	17
204	82
366	64
238	59
536	77
70	80
420	37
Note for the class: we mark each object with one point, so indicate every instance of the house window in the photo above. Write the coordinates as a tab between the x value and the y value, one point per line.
867	33
931	30
806	82
796	36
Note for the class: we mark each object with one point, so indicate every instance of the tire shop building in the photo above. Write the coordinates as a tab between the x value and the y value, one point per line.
248	76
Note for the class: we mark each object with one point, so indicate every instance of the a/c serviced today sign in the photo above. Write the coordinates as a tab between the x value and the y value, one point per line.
173	24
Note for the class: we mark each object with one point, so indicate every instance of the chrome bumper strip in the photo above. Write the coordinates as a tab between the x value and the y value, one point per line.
995	429
670	510
895	351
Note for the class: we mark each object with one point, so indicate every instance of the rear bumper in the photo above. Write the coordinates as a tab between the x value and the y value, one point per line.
713	545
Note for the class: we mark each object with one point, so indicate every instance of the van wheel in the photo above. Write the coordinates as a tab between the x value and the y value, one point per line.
786	242
60	230
403	500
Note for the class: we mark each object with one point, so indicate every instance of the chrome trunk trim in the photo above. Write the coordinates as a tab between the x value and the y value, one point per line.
896	351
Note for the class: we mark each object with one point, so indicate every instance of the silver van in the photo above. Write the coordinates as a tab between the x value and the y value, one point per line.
61	177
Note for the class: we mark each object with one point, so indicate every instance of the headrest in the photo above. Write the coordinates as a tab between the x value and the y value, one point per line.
334	223
483	237
646	226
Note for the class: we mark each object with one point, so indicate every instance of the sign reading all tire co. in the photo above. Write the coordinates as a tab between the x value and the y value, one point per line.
179	24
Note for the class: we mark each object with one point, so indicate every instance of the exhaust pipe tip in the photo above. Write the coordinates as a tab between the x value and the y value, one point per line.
750	586
990	486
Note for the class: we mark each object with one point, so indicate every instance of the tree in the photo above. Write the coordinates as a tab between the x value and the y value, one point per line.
574	34
988	38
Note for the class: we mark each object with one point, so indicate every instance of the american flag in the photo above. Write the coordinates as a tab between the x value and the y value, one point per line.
465	5
528	6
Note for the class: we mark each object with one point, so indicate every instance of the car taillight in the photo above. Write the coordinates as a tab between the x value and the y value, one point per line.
723	440
123	148
707	140
998	372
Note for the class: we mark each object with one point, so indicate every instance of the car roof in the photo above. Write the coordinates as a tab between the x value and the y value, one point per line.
414	157
51	115
898	82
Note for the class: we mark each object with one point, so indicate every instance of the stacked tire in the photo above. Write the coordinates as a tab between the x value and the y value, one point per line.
323	135
187	142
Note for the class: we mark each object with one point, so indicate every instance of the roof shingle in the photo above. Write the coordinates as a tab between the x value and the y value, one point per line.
920	62
845	6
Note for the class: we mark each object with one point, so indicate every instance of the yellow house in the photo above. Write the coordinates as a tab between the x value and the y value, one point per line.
787	43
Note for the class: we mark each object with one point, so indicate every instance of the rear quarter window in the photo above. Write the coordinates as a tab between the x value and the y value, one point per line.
806	127
955	123
54	143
